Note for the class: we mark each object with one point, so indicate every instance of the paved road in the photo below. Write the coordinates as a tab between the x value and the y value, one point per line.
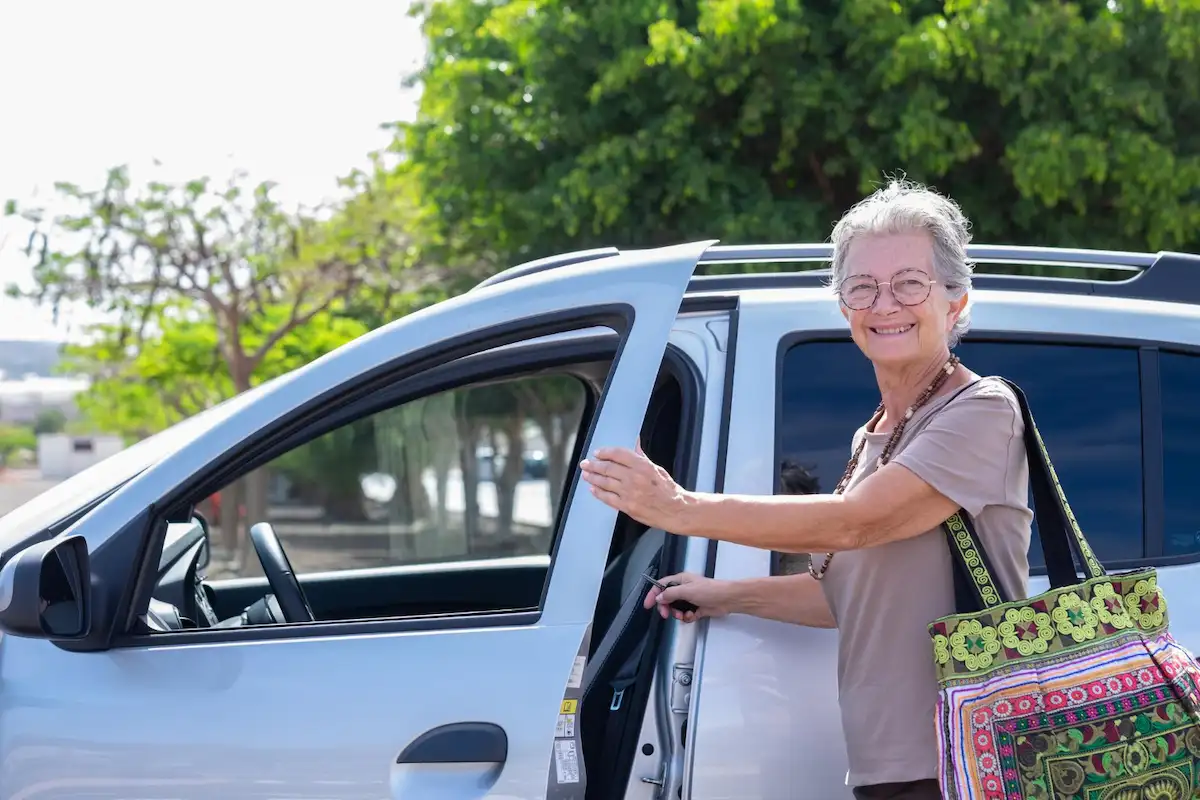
18	487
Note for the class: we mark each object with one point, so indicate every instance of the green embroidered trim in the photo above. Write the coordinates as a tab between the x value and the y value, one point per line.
974	644
969	550
1074	617
970	554
1056	622
1027	631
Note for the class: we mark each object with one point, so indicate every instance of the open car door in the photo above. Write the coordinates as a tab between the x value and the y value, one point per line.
458	705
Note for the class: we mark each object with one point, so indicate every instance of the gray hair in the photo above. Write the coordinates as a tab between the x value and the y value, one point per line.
903	207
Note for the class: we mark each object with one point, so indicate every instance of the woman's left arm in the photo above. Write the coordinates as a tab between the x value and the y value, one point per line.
891	505
958	461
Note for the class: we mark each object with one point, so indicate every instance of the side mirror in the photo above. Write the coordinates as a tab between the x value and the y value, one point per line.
45	590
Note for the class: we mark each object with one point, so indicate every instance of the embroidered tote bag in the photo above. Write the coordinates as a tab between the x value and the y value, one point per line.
1080	692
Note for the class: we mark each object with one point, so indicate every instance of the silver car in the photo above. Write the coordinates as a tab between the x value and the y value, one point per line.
389	622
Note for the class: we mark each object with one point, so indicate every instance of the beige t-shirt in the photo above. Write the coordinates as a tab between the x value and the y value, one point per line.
968	445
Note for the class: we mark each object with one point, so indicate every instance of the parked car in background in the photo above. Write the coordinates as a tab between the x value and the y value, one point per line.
449	668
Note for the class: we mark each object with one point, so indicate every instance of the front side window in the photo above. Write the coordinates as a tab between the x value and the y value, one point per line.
1086	401
1179	377
471	473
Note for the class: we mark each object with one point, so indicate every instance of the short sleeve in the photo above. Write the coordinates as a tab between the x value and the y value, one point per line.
965	451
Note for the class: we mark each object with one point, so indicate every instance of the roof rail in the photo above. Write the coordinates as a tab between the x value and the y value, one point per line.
549	263
1167	276
1164	276
985	253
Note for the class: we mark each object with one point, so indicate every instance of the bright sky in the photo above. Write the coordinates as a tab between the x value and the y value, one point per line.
292	92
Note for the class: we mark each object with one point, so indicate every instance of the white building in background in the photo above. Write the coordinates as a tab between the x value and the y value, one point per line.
61	455
22	400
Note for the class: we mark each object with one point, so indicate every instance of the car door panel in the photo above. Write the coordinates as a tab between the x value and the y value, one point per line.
768	682
327	710
297	718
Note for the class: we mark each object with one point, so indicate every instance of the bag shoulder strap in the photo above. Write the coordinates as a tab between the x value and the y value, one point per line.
1063	543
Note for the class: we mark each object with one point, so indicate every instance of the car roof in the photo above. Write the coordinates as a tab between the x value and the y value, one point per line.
997	313
1166	276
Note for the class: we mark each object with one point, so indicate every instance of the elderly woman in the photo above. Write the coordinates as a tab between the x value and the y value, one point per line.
942	439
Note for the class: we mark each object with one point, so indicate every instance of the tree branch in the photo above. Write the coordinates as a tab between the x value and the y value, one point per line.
296	318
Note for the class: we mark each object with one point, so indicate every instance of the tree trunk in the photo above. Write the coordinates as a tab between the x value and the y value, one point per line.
557	453
414	487
442	480
252	488
469	465
230	520
559	430
509	477
441	436
255	487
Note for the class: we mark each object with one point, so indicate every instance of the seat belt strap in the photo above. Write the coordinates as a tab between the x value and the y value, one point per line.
623	681
629	606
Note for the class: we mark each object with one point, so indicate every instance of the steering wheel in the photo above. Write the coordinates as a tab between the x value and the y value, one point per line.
278	569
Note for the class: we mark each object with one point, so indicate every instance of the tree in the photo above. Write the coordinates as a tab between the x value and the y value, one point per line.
205	285
14	439
556	404
50	420
548	125
383	220
233	252
176	371
139	389
328	470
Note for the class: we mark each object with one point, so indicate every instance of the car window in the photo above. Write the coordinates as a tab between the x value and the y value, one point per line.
1179	377
1086	401
471	473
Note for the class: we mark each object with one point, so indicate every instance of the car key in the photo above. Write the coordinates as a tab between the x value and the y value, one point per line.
679	605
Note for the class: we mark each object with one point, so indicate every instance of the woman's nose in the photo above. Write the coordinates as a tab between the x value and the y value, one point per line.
886	301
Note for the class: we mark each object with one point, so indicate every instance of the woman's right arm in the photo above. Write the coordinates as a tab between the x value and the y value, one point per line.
797	599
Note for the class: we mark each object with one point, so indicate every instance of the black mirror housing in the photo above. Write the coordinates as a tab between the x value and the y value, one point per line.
45	591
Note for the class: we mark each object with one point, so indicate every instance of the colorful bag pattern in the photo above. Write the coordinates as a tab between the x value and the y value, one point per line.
1079	692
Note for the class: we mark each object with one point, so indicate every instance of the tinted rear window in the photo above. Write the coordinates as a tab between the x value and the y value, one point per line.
1086	401
1179	376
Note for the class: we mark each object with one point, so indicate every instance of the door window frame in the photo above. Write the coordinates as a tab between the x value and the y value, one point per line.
525	357
1148	350
415	374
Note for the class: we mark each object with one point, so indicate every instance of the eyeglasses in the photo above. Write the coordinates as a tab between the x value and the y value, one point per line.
910	287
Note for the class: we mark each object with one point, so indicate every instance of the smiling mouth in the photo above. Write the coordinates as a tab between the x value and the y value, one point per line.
894	330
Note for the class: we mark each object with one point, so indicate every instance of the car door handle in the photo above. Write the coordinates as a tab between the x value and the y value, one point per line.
461	760
459	743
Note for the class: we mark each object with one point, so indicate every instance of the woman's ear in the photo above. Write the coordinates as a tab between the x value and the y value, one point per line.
956	310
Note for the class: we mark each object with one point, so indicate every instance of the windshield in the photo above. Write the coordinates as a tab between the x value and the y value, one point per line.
64	499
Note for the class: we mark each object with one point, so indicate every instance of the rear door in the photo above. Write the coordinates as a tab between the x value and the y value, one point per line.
1115	405
765	719
454	706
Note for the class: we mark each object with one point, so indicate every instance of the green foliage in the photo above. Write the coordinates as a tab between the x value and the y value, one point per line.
14	438
50	420
212	289
140	388
328	469
225	264
373	229
548	125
